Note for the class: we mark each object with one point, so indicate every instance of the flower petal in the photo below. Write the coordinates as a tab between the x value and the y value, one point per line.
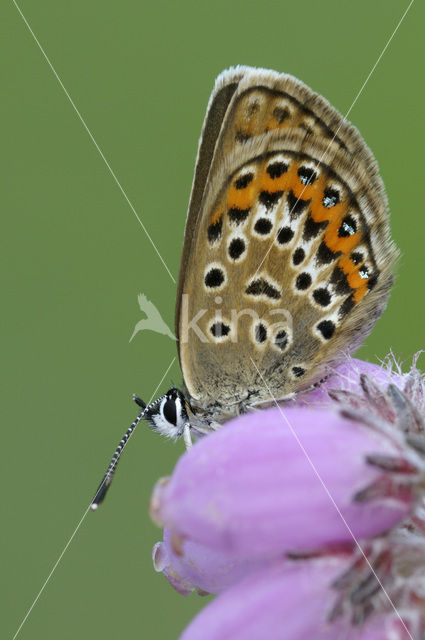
194	566
279	480
284	602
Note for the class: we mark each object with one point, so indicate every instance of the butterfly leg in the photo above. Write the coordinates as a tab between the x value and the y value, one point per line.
187	436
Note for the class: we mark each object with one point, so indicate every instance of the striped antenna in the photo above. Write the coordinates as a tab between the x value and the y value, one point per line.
107	478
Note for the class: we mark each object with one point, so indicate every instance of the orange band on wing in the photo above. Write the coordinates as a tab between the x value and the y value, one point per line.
282	183
333	240
354	279
241	198
308	191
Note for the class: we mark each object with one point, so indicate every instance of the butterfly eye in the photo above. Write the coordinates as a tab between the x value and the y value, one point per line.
169	411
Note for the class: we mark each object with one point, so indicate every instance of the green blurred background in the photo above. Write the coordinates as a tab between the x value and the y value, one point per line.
75	258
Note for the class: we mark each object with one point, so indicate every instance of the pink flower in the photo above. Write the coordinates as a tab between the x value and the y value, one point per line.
196	567
341	463
288	601
272	482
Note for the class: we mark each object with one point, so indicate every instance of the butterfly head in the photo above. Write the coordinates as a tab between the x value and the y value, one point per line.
169	414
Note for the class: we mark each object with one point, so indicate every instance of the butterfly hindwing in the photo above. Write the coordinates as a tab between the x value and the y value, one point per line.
287	258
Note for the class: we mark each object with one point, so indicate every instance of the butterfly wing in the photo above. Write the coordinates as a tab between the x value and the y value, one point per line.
287	262
225	87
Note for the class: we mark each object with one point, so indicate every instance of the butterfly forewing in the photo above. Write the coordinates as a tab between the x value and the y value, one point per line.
289	260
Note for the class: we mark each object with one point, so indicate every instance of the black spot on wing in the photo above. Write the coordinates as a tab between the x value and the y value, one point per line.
348	227
276	169
214	230
263	226
357	257
243	181
262	287
307	175
298	256
281	339
214	278
236	248
325	255
296	205
340	282
312	228
270	199
326	328
330	197
260	333
238	215
322	297
281	114
219	329
303	281
285	235
298	371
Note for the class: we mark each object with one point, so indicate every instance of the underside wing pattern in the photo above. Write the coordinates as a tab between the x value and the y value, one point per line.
289	261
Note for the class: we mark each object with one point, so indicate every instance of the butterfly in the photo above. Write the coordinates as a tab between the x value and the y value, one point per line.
287	258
